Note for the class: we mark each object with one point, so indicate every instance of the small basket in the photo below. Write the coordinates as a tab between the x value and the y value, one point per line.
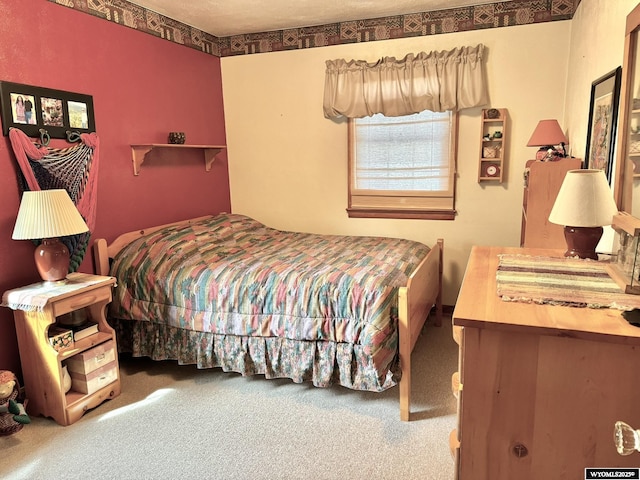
8	426
489	152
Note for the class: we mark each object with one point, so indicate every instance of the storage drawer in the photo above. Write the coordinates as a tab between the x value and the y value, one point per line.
92	359
95	380
77	302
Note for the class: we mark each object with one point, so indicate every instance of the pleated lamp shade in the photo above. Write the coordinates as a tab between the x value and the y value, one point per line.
47	215
583	205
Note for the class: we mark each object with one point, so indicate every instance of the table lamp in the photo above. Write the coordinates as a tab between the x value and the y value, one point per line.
546	135
47	215
583	205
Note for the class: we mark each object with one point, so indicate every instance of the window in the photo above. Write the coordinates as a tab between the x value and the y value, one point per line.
403	167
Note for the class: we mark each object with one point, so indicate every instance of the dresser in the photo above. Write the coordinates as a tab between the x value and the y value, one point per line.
539	387
542	181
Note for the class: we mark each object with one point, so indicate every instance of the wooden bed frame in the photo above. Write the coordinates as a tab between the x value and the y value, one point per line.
415	300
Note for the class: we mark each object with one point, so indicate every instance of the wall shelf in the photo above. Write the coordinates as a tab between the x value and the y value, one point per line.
492	147
139	153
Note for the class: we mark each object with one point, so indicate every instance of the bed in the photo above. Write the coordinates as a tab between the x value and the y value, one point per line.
228	291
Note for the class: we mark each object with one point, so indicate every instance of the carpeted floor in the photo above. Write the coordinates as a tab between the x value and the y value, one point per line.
176	421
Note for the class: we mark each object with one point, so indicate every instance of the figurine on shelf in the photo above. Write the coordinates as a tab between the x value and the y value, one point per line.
550	155
487	137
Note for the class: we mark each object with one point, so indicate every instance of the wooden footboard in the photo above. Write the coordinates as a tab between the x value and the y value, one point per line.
415	301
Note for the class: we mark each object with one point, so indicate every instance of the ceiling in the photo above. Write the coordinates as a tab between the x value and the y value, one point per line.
223	18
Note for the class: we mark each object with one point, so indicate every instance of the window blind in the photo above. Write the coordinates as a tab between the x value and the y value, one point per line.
403	163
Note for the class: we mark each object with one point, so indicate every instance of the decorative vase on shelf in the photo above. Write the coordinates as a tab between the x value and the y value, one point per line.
66	379
177	137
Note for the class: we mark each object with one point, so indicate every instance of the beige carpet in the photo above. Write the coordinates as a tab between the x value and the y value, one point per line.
176	421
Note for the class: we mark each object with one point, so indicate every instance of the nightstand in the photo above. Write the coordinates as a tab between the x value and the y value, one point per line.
36	308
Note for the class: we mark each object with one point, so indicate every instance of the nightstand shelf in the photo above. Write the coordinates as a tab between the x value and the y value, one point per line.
36	308
84	344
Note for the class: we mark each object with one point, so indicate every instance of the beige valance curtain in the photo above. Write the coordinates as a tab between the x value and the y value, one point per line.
436	81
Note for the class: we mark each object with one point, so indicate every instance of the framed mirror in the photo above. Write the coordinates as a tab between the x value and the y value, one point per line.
627	186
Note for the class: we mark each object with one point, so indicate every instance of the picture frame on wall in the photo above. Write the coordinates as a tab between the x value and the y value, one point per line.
603	117
33	109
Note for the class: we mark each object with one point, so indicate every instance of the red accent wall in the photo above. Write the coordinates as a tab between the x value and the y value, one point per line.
143	87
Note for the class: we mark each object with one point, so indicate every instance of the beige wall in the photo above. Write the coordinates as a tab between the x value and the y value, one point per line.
288	164
596	48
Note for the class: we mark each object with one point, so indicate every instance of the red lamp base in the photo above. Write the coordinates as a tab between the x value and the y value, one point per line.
582	241
52	260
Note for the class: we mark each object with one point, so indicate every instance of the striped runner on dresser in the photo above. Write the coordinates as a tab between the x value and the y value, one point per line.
560	281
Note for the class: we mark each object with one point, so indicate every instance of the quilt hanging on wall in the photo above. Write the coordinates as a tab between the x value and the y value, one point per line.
74	168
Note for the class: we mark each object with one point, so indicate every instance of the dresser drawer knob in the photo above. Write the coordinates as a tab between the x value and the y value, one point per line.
520	450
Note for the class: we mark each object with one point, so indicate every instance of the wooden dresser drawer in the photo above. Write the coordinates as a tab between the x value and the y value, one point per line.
79	403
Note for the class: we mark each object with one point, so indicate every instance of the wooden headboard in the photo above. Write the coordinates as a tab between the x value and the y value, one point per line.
103	252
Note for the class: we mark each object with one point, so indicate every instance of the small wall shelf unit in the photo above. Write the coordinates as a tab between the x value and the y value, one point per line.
139	153
493	135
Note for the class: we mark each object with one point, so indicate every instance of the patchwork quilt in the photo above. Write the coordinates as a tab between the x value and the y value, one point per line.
229	291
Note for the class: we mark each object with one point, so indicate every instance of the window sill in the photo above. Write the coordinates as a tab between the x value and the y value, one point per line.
403	214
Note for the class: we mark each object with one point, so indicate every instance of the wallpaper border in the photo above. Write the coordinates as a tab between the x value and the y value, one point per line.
478	17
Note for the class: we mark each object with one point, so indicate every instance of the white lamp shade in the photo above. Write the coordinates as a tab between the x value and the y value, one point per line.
584	200
47	214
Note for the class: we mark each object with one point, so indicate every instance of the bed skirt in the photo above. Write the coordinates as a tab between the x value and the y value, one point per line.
321	362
